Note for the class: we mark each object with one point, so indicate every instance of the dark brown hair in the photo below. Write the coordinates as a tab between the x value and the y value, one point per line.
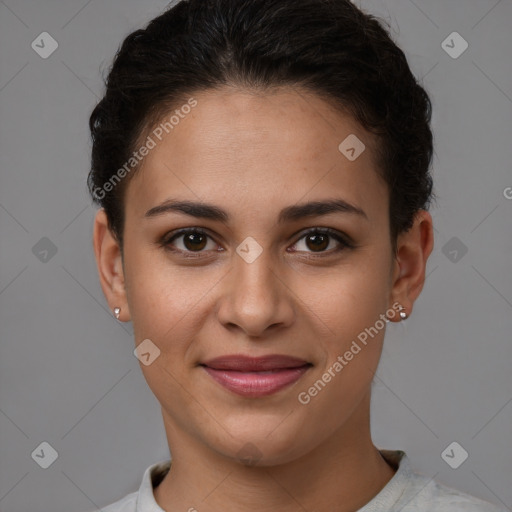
328	47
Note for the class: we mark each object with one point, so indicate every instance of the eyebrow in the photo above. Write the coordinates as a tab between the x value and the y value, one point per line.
290	213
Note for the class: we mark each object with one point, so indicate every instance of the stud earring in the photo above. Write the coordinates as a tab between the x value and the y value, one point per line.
403	315
117	312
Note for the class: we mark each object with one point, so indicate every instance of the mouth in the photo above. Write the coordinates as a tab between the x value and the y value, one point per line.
256	376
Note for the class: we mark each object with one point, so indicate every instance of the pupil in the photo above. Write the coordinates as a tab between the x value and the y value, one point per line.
316	239
193	238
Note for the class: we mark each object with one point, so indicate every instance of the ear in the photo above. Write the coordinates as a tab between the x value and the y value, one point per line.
110	265
413	249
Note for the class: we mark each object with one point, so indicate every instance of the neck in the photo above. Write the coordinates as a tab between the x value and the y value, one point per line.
345	471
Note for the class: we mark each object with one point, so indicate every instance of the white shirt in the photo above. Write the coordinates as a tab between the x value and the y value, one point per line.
407	491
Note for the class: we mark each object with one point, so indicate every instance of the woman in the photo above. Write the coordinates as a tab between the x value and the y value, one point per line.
263	172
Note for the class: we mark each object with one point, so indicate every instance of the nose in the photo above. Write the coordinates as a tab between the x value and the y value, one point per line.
256	298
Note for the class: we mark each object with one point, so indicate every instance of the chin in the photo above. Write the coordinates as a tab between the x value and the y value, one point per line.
259	448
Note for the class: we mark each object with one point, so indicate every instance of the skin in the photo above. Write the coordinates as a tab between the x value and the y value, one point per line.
253	154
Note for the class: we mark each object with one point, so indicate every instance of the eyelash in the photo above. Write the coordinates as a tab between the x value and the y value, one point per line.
169	238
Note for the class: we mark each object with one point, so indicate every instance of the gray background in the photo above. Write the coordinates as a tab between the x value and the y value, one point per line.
68	375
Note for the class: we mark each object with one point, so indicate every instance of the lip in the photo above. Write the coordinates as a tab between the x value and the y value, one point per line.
256	376
243	363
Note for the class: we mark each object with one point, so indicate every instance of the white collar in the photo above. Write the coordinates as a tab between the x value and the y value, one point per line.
384	500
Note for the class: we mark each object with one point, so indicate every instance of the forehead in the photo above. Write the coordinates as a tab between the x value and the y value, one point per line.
248	148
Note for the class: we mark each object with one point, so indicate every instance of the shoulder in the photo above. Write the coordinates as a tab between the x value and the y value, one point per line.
432	495
143	499
411	491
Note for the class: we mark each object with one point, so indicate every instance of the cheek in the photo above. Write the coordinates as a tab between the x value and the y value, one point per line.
163	303
158	294
169	305
349	298
350	305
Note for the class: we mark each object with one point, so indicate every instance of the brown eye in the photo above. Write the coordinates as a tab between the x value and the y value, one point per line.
192	240
318	240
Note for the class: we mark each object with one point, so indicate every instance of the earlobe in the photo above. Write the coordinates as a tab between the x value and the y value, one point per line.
413	250
110	266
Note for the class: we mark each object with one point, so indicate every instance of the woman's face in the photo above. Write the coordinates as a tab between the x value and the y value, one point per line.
253	282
